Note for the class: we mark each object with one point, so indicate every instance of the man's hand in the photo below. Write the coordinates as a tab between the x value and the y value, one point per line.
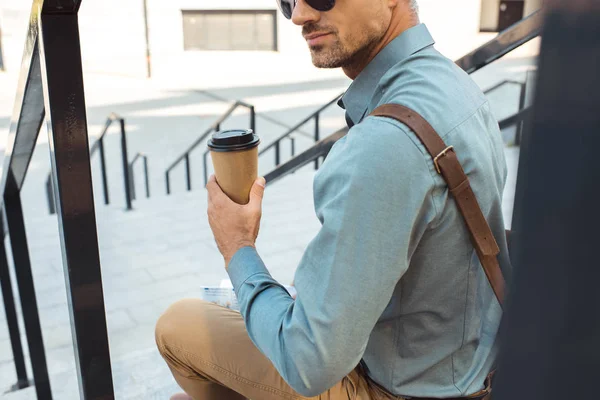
234	226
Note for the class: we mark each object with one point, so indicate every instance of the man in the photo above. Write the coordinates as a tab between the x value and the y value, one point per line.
392	301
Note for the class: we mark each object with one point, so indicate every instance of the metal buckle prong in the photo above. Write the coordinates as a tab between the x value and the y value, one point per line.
442	154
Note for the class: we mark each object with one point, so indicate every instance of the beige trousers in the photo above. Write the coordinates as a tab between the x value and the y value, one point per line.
211	357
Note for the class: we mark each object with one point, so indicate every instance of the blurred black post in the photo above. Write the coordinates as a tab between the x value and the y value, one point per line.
22	263
62	78
550	344
317	137
252	119
147	37
125	162
103	170
2	68
147	178
50	195
11	316
168	182
205	166
188	177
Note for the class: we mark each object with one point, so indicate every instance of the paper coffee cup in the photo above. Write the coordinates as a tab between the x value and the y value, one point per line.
234	155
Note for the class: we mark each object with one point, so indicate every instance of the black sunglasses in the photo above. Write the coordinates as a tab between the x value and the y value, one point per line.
287	6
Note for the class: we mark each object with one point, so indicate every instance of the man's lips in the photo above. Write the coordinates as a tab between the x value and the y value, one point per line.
315	38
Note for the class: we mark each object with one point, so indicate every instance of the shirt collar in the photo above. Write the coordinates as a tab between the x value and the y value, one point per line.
358	96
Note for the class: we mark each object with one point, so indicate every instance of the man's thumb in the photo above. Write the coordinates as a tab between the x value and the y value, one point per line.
258	190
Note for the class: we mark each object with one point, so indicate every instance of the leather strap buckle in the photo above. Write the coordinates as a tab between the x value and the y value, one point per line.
442	154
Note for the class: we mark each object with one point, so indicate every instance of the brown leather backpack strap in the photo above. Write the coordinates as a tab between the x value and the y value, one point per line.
447	164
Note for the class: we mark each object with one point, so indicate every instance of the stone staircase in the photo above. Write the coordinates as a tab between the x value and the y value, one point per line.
160	252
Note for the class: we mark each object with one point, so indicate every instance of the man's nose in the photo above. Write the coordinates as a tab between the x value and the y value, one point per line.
303	13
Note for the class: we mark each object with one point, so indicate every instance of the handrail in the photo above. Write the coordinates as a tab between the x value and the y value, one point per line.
514	119
98	146
323	147
50	195
521	115
277	143
501	84
51	91
298	125
144	157
109	120
320	149
506	41
216	126
1	57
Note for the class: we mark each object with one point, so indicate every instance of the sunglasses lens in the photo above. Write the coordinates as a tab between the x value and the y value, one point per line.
286	7
321	5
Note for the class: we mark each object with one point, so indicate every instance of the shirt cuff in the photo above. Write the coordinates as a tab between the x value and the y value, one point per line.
245	263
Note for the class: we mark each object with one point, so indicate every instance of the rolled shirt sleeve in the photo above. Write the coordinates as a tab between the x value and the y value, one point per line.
374	198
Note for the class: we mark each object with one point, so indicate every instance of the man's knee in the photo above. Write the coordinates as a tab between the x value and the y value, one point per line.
187	314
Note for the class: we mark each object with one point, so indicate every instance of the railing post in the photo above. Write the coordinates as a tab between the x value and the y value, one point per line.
317	137
218	127
187	172
168	182
11	318
67	132
521	124
293	140
205	165
103	170
50	195
131	181
1	57
147	178
125	165
277	155
252	119
22	263
147	37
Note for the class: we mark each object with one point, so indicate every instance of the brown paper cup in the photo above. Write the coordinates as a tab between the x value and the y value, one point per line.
236	172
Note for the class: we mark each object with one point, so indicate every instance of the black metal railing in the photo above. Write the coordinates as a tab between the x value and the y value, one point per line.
215	127
518	118
144	158
506	41
11	317
98	147
317	132
521	114
276	144
50	91
2	68
316	152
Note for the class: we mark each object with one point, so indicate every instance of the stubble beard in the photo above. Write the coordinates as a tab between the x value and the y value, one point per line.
339	56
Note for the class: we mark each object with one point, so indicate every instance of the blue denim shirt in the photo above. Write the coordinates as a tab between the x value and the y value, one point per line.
391	278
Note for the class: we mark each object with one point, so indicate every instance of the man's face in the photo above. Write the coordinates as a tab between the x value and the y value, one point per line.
338	38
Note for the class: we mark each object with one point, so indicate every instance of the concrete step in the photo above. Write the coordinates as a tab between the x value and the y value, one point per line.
23	394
